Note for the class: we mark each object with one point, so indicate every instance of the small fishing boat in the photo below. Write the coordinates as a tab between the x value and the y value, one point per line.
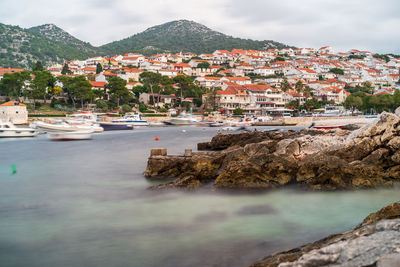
114	126
70	136
7	129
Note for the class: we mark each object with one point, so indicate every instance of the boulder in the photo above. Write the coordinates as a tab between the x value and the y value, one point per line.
375	242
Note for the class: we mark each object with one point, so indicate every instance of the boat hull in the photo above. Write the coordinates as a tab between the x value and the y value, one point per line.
113	126
70	136
327	127
47	127
18	133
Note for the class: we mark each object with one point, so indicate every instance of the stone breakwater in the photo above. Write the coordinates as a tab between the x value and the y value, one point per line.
375	242
314	159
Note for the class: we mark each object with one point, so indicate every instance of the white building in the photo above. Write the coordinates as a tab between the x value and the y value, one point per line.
14	112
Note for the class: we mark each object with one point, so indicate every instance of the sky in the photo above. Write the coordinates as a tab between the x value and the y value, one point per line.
371	25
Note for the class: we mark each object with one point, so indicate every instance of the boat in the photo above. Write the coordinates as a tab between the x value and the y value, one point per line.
65	127
70	136
114	126
321	127
183	119
217	124
132	119
7	129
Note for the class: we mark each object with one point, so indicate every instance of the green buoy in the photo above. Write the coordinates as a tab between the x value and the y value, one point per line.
13	168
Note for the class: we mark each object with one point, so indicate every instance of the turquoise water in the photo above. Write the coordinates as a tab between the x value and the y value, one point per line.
86	204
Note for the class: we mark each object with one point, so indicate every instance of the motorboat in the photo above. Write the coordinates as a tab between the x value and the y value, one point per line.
183	119
217	124
82	118
7	129
113	126
70	136
65	127
132	119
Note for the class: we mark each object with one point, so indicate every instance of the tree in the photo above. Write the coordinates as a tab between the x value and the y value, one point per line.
81	89
65	70
299	86
13	84
40	84
99	68
117	89
307	92
285	85
203	65
294	104
238	111
37	66
150	79
353	102
337	71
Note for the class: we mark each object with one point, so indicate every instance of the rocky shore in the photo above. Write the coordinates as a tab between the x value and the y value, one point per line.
375	242
347	158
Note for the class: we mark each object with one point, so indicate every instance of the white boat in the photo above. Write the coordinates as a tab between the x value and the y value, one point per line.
82	118
132	119
183	119
70	136
66	127
7	129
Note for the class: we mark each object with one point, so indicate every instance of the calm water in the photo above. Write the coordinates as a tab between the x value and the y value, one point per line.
86	204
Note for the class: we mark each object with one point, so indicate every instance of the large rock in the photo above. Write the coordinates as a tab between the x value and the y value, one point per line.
315	159
375	242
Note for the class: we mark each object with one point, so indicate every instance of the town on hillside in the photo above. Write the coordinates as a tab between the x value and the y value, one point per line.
239	82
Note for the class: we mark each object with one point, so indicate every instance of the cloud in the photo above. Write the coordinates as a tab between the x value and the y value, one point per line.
343	24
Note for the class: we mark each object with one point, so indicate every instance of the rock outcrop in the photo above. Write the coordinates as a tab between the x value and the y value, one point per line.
315	159
375	242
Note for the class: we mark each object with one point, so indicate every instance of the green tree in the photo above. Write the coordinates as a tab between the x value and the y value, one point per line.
42	81
65	70
150	79
37	66
238	111
99	68
337	71
81	89
203	65
299	86
353	102
117	89
285	85
13	84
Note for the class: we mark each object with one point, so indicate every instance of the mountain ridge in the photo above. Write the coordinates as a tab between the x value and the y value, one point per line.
20	47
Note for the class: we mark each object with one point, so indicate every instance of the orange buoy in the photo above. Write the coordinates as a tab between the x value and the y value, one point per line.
156	138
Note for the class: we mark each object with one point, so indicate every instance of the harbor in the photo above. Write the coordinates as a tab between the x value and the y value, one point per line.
88	203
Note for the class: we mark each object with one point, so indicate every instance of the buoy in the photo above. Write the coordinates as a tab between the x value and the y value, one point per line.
13	169
156	138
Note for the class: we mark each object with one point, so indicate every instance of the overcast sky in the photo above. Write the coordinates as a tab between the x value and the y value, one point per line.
344	24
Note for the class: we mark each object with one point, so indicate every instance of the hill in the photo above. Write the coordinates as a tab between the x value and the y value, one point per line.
21	47
184	35
50	44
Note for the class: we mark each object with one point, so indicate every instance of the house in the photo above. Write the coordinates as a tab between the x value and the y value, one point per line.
14	112
8	70
130	74
238	80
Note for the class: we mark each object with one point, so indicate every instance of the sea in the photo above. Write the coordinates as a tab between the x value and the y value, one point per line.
87	203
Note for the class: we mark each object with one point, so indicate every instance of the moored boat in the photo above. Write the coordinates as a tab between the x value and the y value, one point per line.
326	127
132	119
183	119
66	127
70	136
114	126
7	129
